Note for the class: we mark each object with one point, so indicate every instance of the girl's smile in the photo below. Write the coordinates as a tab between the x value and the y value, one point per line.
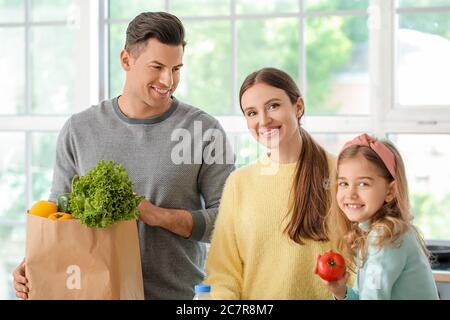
362	190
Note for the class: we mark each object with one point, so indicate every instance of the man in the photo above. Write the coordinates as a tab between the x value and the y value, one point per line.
137	129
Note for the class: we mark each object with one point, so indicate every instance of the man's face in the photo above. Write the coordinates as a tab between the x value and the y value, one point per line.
153	73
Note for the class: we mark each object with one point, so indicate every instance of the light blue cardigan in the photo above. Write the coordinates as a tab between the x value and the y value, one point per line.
394	272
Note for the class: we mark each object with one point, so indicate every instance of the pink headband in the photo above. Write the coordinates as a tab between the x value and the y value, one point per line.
379	148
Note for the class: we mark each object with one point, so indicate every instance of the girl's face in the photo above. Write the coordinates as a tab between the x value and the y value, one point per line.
362	190
271	117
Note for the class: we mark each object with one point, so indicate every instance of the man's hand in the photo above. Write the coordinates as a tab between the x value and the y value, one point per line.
177	221
20	281
149	213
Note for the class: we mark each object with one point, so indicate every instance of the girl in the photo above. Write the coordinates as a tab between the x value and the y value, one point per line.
270	225
373	221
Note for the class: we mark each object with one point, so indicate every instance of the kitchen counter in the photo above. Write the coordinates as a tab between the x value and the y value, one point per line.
441	276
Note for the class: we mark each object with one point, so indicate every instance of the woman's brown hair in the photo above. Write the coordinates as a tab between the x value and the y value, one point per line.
310	197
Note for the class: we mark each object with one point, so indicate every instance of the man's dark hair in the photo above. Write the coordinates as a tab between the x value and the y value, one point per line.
163	26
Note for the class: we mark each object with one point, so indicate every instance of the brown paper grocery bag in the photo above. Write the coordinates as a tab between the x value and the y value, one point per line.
67	260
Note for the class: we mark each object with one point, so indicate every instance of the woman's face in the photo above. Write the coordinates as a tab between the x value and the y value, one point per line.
271	117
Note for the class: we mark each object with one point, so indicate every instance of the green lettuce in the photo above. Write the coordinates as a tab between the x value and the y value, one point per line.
103	196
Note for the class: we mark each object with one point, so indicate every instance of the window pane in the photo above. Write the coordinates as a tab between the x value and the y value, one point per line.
337	65
12	64
43	159
206	74
128	9
426	159
423	3
266	6
423	66
12	176
12	252
333	142
199	7
12	11
52	10
330	5
267	43
116	73
245	147
54	69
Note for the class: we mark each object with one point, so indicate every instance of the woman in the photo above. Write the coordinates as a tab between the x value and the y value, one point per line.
270	228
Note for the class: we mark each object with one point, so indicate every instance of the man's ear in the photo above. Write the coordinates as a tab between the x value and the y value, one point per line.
125	59
300	108
392	192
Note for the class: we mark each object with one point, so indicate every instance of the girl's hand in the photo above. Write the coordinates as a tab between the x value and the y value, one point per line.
338	288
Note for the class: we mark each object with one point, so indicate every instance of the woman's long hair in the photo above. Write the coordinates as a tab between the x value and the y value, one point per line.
310	195
390	222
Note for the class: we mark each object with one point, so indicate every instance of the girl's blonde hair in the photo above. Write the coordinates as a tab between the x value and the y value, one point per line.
391	221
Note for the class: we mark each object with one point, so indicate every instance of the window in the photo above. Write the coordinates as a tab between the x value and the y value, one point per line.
48	74
376	66
423	46
426	159
340	85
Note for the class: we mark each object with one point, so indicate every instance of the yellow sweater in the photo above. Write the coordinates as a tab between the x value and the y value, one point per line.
250	256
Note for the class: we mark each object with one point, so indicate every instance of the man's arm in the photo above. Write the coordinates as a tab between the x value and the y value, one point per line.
218	163
177	221
198	224
65	165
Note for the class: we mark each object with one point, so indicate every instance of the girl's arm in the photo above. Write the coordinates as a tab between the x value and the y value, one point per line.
380	272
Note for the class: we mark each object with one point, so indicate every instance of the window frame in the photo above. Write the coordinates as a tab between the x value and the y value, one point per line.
419	116
87	58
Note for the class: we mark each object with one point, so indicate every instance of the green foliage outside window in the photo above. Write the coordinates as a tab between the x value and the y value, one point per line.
432	23
42	164
431	214
423	3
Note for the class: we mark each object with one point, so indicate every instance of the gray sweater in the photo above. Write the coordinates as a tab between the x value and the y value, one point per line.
150	150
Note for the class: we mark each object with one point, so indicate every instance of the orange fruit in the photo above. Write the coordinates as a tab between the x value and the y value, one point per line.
60	216
43	208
